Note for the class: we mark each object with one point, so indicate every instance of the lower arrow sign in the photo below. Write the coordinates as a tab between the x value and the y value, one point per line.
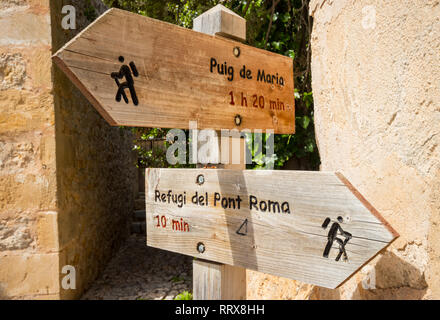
309	226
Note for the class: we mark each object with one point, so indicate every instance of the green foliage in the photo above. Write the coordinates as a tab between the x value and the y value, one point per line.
90	12
281	26
284	27
185	295
176	279
151	145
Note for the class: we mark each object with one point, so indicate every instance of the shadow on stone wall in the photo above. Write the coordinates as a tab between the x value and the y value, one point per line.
96	173
3	295
396	279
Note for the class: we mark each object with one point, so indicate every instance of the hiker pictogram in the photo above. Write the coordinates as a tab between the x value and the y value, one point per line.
126	72
332	237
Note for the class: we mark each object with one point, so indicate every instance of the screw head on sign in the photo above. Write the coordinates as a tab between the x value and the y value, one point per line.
201	247
237	120
236	51
200	179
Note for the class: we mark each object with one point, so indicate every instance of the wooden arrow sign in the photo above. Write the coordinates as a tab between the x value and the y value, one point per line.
309	226
137	71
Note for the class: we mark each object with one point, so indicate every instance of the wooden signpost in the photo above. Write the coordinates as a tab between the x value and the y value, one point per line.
309	226
138	71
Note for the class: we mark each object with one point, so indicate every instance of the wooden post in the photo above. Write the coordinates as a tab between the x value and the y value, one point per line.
211	280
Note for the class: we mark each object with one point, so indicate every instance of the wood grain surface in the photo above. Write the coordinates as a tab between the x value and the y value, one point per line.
179	76
280	243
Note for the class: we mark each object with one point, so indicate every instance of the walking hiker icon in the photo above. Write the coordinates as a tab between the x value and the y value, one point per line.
126	72
332	237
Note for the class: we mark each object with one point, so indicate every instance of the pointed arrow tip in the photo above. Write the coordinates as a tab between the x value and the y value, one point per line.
368	205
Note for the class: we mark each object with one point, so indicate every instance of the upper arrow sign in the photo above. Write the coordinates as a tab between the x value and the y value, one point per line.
138	71
309	226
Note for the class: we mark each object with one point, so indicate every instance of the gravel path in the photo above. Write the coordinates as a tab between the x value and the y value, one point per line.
138	272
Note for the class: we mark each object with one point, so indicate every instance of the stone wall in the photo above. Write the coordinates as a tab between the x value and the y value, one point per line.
66	176
28	254
377	111
95	168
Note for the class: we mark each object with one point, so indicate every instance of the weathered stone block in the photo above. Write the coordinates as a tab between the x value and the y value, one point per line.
28	274
39	68
7	4
19	4
22	27
47	231
15	234
12	71
24	111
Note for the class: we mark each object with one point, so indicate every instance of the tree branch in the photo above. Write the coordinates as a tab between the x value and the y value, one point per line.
274	4
247	6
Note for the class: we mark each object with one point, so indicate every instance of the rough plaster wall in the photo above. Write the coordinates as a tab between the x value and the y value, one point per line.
95	170
28	228
376	80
